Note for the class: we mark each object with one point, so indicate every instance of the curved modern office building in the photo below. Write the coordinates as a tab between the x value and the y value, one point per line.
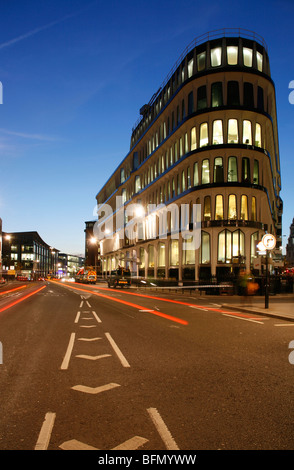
207	138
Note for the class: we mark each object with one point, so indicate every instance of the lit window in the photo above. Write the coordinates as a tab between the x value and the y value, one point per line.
205	248
259	58
218	173
124	195
221	252
232	170
142	257
247	57
258	135
244	207
217	138
176	152
196	177
253	208
203	134
233	137
247	134
232	54
193	139
189	252
254	242
232	209
174	252
256	172
207	208
188	177
183	181
205	177
151	256
186	143
181	147
122	175
219	207
201	61
216	56
161	254
190	68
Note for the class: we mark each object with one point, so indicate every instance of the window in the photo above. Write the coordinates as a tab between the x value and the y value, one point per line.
183	181
232	55
233	95
193	139
122	175
142	257
217	132
203	134
259	60
260	100
247	57
256	172
232	207
216	94
258	135
248	95
233	137
201	98
245	170
230	245
137	184
190	68
189	252
190	103
174	252
196	177
188	177
124	195
232	170
219	207
201	59
205	248
150	256
205	176
253	209
218	173
247	134
207	208
186	143
244	207
216	56
254	241
161	255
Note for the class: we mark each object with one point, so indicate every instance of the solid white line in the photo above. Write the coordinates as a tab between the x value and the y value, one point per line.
118	352
96	316
284	324
77	317
241	318
66	359
162	429
45	433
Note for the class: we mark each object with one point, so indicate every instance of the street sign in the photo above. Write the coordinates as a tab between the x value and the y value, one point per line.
269	241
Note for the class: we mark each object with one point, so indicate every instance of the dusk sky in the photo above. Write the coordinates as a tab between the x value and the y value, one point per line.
75	74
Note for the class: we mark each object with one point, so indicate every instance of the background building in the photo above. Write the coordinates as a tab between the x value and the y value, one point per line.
208	136
69	265
92	247
26	254
290	247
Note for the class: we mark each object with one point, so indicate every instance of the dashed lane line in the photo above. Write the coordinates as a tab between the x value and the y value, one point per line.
118	352
45	433
67	356
162	429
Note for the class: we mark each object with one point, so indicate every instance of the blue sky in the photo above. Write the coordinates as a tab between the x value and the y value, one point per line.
75	74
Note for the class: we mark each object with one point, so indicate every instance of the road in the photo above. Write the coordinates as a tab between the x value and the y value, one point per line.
87	367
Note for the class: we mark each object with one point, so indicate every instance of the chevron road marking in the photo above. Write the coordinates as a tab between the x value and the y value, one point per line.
89	339
95	390
93	358
131	444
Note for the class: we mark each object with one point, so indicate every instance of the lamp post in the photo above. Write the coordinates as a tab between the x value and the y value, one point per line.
268	242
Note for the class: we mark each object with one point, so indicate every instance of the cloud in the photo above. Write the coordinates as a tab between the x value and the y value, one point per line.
26	135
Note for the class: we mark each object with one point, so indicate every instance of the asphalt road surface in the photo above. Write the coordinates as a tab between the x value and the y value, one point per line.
87	367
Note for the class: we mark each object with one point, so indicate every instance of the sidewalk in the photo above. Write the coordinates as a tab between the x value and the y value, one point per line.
279	306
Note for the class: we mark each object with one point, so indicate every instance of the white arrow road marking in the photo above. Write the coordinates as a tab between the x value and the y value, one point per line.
131	444
95	390
88	339
45	433
93	358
